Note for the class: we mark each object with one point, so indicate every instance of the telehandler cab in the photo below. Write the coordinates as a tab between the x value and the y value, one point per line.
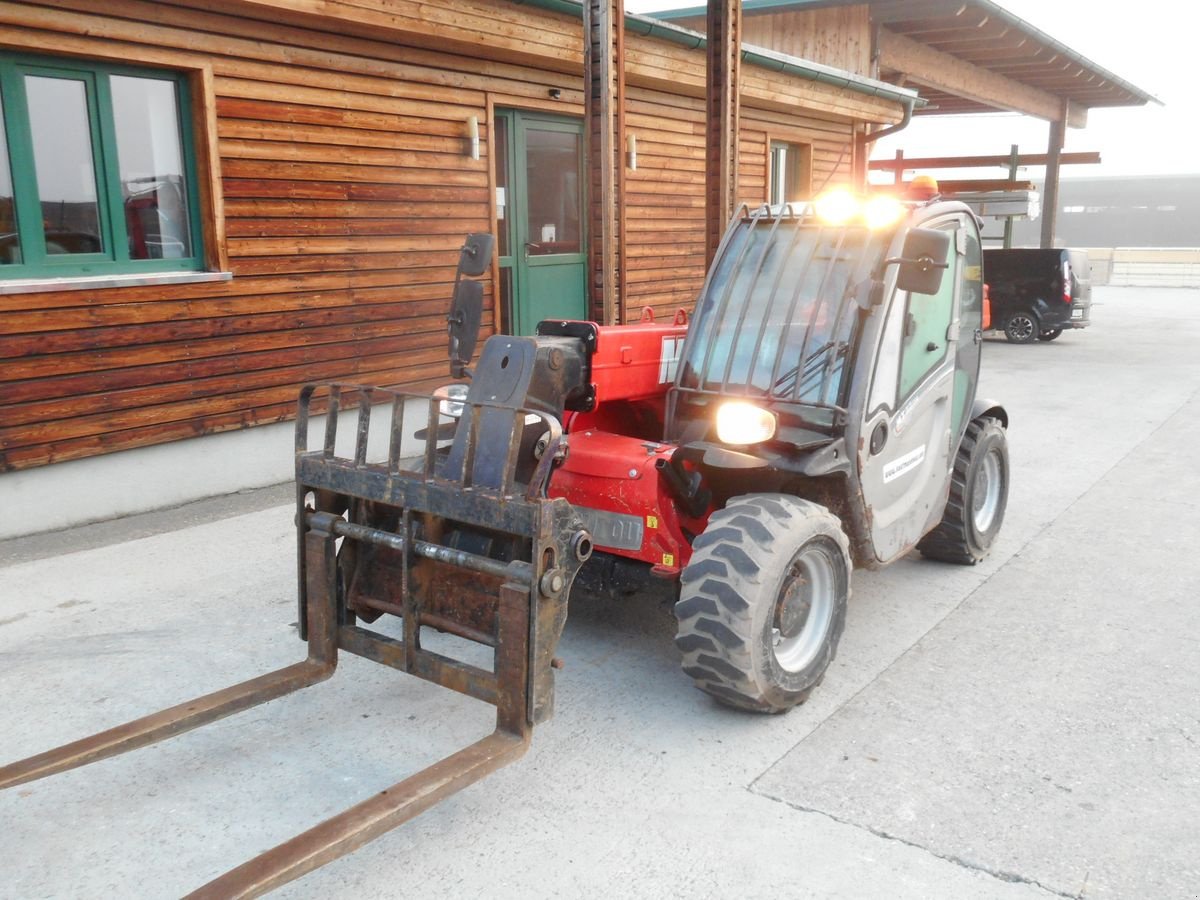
818	413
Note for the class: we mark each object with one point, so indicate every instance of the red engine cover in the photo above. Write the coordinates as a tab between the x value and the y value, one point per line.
632	362
612	471
615	482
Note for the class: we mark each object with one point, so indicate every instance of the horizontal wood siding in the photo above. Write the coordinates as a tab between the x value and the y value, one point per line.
837	36
346	191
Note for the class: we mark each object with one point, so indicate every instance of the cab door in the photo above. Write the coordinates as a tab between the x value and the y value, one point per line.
909	424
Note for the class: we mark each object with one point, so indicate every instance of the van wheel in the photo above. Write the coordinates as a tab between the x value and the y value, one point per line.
1050	335
1021	328
762	603
978	497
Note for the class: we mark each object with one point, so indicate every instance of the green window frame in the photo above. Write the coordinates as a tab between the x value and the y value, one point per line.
29	249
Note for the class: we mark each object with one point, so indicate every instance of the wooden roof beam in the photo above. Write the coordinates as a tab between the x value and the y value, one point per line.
1082	157
954	76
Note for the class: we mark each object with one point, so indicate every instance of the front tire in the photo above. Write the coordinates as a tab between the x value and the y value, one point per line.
978	497
1021	327
763	601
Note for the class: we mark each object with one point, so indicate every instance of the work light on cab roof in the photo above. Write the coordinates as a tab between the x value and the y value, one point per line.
839	206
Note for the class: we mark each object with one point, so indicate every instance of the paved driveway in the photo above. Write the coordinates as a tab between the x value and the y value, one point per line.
1025	728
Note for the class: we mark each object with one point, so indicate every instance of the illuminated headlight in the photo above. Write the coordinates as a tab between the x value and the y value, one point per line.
739	422
450	399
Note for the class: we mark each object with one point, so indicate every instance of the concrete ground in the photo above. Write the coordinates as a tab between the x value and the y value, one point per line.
1027	728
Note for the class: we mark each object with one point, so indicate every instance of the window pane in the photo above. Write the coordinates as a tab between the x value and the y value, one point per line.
62	152
150	161
931	315
779	193
503	196
10	244
788	327
553	160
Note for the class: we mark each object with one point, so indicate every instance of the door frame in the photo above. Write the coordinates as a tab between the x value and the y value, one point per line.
924	471
517	203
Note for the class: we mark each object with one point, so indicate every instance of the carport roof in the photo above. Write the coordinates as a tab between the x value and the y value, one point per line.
983	34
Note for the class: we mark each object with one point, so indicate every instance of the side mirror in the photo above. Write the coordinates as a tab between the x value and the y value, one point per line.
924	259
466	305
476	255
466	315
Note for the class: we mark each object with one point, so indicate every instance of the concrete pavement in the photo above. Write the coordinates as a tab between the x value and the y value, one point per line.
1024	728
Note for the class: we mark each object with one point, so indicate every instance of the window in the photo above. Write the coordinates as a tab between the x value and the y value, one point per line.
791	172
97	172
929	317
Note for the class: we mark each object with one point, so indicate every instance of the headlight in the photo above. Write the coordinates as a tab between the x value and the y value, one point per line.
739	422
450	399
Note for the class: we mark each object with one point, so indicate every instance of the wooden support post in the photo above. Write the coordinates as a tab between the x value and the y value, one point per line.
1014	164
604	109
1050	202
721	133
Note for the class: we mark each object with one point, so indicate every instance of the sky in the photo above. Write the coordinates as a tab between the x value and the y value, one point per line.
1151	44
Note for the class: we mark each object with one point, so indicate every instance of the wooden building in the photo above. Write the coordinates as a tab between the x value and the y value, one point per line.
206	203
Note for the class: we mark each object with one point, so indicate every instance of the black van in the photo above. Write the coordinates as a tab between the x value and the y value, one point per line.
1037	294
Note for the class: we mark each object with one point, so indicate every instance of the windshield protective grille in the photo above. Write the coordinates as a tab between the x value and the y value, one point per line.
778	313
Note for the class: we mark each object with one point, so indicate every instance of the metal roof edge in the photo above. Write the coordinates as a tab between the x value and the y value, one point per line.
747	6
648	26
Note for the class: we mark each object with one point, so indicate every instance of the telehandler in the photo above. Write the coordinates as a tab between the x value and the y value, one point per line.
818	413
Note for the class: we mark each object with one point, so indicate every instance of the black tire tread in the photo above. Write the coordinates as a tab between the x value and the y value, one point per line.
950	540
715	611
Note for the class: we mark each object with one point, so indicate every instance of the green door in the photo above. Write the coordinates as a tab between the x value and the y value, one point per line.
540	218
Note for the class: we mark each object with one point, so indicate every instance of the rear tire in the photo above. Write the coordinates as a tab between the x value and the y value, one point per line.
763	601
1050	335
1021	327
978	497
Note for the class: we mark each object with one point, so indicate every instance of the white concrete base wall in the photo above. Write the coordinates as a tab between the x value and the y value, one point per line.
133	481
1146	266
117	484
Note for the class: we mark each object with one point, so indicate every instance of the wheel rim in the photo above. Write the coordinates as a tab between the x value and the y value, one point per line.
1020	327
804	611
985	495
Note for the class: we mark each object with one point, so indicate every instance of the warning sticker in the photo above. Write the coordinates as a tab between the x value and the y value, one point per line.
671	348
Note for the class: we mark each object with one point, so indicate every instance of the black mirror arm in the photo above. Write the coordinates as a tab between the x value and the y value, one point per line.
923	263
